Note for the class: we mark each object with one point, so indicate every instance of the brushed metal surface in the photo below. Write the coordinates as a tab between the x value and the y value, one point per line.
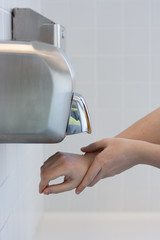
35	92
28	25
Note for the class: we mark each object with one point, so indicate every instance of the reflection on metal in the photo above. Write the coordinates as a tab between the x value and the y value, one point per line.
79	120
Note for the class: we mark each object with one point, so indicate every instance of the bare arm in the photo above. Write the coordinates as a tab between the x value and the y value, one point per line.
146	129
116	156
138	144
144	149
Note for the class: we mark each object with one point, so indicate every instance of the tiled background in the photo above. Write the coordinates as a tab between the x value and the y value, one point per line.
114	46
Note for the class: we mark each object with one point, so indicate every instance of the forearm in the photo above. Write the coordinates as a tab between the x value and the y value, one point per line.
116	156
148	153
146	129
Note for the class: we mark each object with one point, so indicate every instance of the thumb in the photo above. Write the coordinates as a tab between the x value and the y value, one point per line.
96	146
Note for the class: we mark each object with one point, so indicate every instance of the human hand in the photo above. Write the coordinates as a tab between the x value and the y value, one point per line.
115	156
72	166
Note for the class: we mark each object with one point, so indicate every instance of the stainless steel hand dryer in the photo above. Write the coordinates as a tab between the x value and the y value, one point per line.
37	102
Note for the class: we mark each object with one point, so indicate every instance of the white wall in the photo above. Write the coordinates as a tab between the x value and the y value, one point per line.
114	46
20	203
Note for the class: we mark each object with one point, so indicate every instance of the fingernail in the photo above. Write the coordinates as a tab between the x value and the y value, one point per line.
47	192
83	150
83	147
77	192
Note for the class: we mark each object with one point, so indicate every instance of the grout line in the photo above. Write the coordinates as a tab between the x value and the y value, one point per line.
150	55
123	179
95	115
95	61
109	28
115	55
150	91
123	66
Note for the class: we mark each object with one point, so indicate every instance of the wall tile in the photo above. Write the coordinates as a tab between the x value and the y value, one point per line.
109	96
109	13
136	96
8	5
155	41
136	193
154	186
109	69
136	13
155	69
136	41
112	198
86	8
109	122
155	8
80	42
109	41
136	69
2	24
85	201
3	164
155	100
84	68
7	26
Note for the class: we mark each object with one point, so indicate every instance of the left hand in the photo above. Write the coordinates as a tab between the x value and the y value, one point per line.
72	166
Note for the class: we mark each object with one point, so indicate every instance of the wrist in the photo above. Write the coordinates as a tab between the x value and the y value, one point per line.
135	152
140	149
89	157
148	153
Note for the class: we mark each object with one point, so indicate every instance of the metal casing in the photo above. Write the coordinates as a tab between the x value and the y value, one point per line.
28	25
35	92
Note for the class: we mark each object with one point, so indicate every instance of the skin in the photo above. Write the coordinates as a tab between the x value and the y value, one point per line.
72	166
139	144
146	129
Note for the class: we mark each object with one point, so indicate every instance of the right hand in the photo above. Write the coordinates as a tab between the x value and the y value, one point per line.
114	155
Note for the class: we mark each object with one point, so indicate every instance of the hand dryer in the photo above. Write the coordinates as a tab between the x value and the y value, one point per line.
37	102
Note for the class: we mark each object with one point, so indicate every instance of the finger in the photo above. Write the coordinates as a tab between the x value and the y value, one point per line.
94	146
46	177
59	188
96	179
90	175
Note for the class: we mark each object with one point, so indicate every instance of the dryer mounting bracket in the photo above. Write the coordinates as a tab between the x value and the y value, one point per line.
28	25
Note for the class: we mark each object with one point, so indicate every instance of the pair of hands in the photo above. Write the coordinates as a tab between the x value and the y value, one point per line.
104	158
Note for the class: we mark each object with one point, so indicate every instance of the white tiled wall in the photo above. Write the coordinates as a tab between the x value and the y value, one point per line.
114	46
20	203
